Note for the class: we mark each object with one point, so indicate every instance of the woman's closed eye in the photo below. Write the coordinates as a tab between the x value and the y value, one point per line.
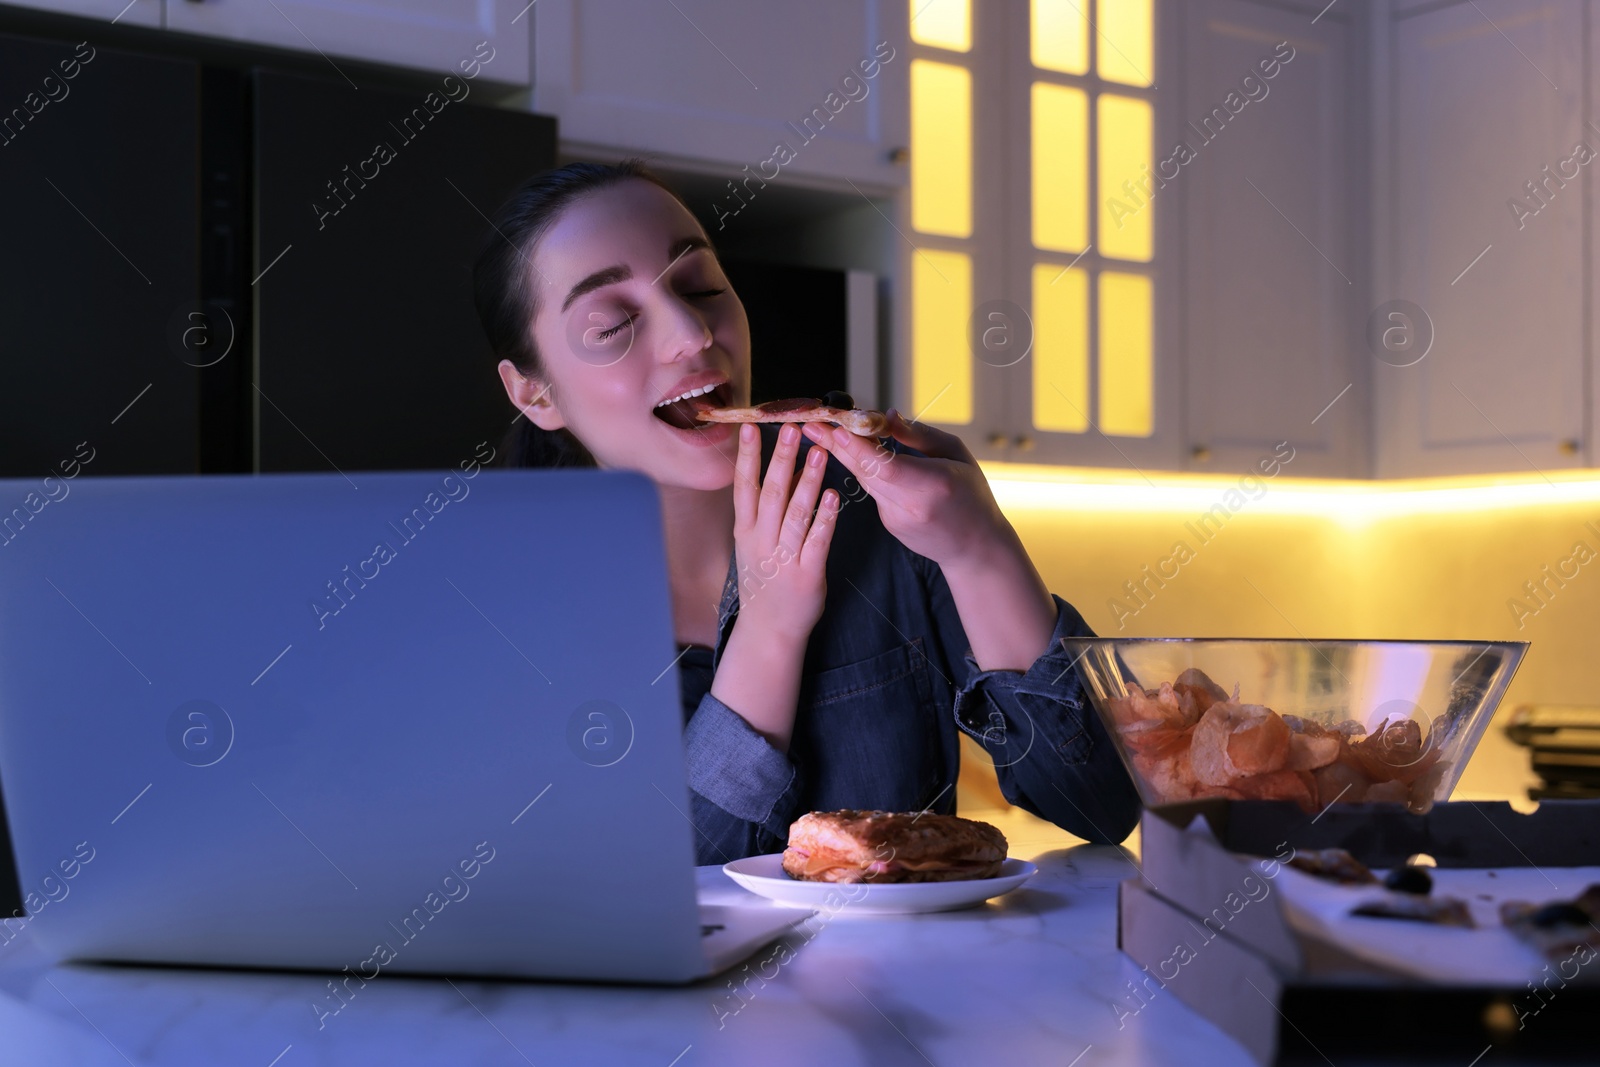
612	331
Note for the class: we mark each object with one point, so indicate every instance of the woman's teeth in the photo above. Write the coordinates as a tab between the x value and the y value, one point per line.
691	393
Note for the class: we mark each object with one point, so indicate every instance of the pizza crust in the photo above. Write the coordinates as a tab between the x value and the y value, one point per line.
859	421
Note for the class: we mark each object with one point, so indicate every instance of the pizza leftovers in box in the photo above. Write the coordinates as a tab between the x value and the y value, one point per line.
1467	928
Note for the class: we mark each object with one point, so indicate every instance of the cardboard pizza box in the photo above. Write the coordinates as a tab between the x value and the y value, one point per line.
1218	921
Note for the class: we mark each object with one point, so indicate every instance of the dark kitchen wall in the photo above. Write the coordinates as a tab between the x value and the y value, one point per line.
798	328
99	257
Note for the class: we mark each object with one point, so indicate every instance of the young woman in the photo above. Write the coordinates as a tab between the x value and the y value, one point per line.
843	606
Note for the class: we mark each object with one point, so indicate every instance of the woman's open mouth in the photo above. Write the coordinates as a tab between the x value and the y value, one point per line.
680	411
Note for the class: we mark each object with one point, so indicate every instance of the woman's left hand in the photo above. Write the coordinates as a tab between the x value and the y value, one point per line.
938	505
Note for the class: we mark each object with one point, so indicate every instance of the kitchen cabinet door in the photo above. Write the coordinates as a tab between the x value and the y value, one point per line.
725	82
1273	212
99	264
369	353
1488	192
121	12
435	35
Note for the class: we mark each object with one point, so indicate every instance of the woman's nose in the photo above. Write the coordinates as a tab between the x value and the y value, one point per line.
689	334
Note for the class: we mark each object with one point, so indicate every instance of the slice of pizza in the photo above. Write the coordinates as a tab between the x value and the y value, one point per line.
1334	864
1441	911
1559	930
859	421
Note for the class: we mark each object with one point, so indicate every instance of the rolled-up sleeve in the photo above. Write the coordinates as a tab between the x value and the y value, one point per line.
745	791
1051	752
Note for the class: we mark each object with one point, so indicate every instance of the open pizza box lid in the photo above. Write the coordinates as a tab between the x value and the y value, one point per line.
1271	956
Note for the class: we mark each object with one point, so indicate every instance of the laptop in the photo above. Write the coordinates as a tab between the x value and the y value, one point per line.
419	722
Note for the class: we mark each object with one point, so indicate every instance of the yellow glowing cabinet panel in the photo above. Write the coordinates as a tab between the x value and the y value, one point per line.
942	24
1125	214
1060	37
1060	168
941	148
1125	355
941	359
1060	349
1125	42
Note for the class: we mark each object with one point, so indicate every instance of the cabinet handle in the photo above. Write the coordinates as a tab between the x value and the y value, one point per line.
1570	446
998	440
1201	453
1024	443
900	154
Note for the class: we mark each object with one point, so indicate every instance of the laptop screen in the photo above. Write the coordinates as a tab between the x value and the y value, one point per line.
405	721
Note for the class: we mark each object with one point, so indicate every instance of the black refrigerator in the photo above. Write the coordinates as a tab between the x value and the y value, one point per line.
206	268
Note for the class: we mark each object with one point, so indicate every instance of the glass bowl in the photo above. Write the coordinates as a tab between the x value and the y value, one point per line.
1313	722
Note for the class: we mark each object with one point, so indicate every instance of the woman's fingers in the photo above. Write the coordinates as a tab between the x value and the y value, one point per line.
775	488
927	439
797	519
873	465
790	518
870	455
814	552
746	479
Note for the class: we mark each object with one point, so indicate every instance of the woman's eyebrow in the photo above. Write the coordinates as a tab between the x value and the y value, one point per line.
676	250
599	279
680	248
622	272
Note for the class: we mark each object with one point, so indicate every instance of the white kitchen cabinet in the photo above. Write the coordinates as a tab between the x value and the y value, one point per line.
1274	266
1484	111
434	35
720	84
121	12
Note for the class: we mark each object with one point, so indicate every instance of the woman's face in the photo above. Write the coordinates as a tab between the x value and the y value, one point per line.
634	312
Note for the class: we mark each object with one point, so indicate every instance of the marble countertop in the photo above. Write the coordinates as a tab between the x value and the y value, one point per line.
1031	978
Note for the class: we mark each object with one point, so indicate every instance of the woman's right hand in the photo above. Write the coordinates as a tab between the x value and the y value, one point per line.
781	535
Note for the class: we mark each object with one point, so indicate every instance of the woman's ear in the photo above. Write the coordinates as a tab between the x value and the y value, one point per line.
531	397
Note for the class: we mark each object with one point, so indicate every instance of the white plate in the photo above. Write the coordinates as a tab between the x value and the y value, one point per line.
764	875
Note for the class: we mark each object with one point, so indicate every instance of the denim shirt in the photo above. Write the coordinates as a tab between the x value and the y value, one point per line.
887	681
